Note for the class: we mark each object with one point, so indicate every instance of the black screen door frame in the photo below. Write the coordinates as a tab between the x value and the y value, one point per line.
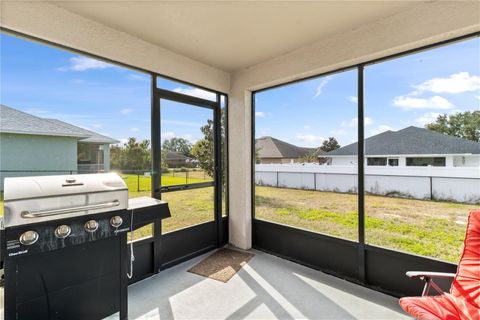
162	251
201	234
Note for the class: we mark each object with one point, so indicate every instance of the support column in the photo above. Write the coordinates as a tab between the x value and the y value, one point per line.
240	202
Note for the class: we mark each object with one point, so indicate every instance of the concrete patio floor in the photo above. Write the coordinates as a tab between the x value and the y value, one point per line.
267	288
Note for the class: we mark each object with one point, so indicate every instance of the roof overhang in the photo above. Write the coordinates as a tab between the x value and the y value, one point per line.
39	133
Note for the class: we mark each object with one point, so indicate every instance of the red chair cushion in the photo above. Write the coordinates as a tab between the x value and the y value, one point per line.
463	301
443	307
467	280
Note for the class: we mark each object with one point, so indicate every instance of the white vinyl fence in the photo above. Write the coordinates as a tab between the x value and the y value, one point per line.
434	183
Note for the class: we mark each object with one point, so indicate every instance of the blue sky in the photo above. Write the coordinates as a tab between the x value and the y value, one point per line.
411	90
115	101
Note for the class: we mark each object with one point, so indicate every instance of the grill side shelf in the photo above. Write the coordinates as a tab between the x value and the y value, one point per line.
145	210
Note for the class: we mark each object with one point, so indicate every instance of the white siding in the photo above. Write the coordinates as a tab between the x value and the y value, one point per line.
466	161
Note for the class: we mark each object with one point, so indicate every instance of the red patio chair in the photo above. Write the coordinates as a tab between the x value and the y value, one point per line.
463	301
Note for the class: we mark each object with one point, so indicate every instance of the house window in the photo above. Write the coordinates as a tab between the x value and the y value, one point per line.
393	162
425	161
376	161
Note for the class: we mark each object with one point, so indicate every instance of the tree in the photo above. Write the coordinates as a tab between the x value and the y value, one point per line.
132	155
309	158
203	150
257	155
465	125
179	145
330	144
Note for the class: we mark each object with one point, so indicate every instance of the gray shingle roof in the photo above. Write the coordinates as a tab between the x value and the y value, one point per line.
16	121
172	155
273	148
93	137
411	140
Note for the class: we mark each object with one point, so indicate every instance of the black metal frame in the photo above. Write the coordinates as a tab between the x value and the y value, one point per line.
177	246
375	267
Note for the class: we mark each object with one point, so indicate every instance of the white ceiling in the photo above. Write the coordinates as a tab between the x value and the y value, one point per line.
234	34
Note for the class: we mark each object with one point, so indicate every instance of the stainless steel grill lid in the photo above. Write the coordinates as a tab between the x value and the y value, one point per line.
43	198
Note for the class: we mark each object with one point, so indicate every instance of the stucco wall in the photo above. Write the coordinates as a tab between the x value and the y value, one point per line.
344	161
20	152
466	161
426	23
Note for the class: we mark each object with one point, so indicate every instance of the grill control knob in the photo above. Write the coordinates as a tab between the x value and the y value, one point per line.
28	238
91	226
62	231
116	221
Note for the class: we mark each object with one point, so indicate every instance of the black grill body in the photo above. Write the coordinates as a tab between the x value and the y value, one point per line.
77	278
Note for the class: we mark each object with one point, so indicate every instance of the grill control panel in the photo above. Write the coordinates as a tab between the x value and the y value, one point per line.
59	234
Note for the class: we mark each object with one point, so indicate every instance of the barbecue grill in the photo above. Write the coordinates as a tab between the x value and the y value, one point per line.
64	247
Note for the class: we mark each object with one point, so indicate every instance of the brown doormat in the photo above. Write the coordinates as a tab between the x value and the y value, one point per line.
222	264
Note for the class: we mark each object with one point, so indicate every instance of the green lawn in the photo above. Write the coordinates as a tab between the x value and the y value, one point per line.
187	208
430	228
140	183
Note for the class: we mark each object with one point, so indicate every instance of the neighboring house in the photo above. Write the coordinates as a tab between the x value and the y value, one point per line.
177	160
411	147
30	145
271	150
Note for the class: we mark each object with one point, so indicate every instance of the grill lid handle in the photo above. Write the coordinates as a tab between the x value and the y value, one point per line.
46	213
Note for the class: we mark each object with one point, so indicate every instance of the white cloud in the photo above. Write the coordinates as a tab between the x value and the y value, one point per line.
168	135
320	86
435	102
455	83
97	125
134	129
196	92
182	123
353	99
307	127
259	114
137	77
36	111
428	117
84	63
310	140
339	132
126	110
380	129
354	122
